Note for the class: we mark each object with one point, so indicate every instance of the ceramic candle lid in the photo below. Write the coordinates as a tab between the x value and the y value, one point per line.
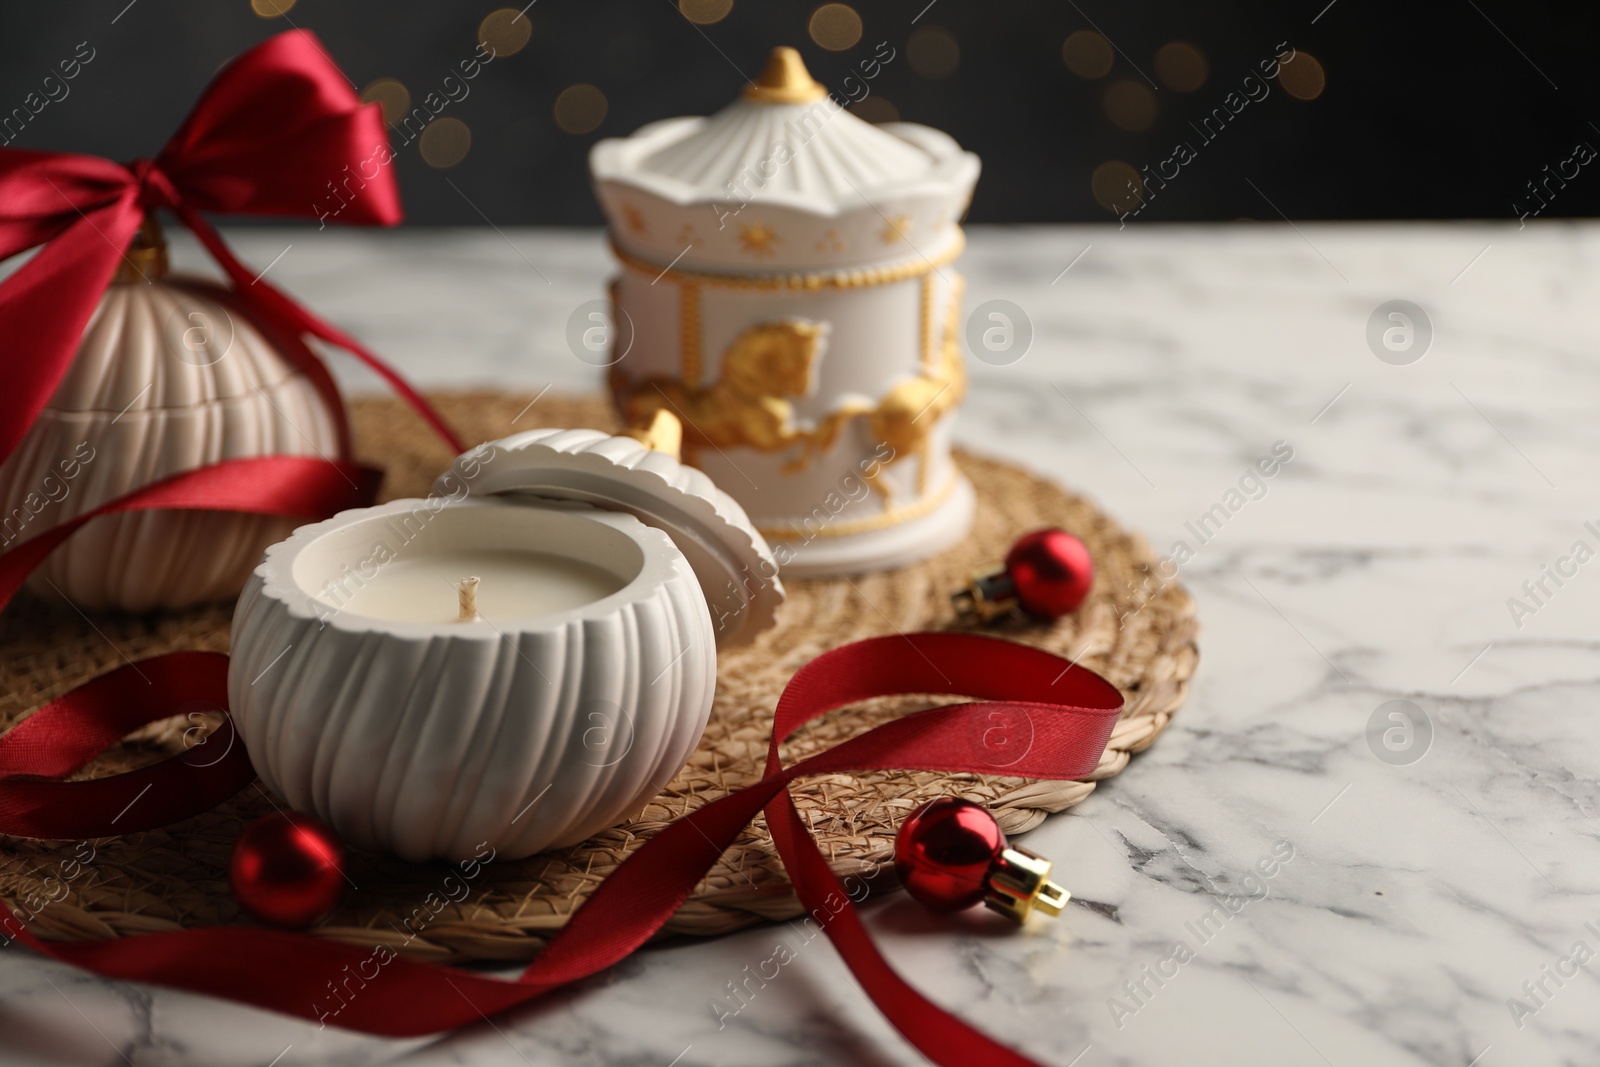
785	176
732	561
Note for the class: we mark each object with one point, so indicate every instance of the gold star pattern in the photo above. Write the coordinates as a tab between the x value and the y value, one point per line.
634	219
894	229
758	239
687	236
830	242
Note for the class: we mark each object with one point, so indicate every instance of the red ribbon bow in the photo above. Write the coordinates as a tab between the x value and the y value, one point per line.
276	129
1068	712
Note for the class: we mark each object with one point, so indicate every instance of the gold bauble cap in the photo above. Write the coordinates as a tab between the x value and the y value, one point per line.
785	80
146	257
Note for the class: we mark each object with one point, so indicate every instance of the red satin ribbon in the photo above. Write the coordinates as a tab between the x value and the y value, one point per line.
60	738
1064	714
263	485
277	130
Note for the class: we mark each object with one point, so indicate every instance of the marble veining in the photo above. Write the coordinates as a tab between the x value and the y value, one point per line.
1270	883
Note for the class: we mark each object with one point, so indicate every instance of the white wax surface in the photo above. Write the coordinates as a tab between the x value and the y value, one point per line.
512	585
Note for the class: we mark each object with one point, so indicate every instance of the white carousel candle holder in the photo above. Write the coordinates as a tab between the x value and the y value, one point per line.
787	276
521	660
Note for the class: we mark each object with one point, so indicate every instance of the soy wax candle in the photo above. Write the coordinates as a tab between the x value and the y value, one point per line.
498	583
522	660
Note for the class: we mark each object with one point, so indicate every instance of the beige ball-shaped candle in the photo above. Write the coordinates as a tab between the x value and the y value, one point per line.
172	374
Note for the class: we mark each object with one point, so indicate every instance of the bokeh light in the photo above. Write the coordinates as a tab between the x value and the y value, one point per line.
1130	104
933	52
1087	54
705	12
1181	66
580	108
505	31
271	9
1117	187
875	108
1303	77
835	26
389	94
444	142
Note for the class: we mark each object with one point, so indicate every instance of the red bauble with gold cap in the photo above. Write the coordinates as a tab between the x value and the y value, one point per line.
950	854
1047	574
1051	571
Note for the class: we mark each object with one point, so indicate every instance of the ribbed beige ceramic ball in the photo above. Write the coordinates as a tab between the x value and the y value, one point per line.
172	374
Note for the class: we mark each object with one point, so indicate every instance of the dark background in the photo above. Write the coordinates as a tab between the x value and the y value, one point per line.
1436	110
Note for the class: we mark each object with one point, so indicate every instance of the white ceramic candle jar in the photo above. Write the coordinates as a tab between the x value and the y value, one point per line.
371	689
787	289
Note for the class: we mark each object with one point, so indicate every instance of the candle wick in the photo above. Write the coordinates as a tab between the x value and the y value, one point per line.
467	591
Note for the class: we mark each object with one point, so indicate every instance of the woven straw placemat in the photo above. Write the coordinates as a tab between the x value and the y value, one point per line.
177	877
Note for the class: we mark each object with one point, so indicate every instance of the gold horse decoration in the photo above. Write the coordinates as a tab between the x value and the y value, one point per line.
904	419
750	403
770	364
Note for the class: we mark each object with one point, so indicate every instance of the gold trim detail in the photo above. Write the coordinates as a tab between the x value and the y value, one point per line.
689	362
758	238
942	360
889	517
830	242
146	257
852	279
785	80
895	229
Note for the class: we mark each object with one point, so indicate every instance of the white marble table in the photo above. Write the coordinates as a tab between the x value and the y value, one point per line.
1421	894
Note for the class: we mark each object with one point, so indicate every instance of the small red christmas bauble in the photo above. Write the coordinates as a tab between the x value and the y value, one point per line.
944	852
287	869
1051	572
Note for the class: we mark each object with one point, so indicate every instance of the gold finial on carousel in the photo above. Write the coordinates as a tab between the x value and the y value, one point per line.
146	258
785	80
664	434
